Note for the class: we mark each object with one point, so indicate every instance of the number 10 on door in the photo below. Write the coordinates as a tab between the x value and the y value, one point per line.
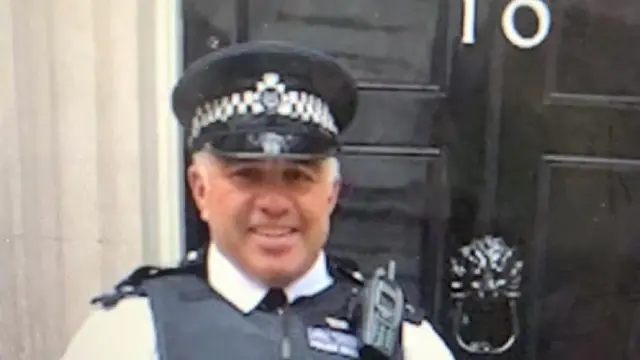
539	8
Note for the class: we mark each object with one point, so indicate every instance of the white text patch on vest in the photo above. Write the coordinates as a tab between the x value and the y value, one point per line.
334	342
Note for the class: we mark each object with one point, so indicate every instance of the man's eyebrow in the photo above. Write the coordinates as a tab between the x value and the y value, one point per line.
238	162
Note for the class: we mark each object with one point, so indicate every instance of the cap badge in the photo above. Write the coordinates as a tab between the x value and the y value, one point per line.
270	92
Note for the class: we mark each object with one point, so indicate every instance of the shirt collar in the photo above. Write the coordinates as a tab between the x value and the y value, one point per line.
246	294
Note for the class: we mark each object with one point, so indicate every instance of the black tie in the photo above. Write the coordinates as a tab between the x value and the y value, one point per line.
275	299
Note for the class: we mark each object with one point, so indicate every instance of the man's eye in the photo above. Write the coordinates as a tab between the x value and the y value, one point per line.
297	176
246	174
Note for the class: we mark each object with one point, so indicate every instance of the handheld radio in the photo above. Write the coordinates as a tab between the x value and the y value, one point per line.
381	314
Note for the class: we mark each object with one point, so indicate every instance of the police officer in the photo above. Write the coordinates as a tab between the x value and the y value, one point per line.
262	120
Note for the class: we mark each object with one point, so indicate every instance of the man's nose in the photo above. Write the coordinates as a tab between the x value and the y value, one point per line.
273	204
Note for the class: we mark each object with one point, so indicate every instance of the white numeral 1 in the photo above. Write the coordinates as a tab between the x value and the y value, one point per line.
469	21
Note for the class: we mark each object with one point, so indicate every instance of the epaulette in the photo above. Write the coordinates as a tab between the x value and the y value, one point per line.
131	285
346	268
349	269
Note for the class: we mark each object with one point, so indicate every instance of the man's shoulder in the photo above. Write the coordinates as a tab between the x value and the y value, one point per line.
127	308
121	332
130	287
419	339
347	269
422	341
136	284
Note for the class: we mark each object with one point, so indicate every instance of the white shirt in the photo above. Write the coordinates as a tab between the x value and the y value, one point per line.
127	332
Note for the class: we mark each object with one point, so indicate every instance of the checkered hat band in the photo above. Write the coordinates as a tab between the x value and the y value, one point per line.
296	105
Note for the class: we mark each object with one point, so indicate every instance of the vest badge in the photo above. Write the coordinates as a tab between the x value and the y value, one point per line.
333	341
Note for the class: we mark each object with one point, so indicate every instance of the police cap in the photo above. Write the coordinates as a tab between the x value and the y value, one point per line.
265	99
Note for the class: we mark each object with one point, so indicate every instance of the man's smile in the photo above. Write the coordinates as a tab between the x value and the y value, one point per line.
274	240
273	231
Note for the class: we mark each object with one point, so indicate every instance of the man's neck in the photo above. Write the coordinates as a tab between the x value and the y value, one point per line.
245	292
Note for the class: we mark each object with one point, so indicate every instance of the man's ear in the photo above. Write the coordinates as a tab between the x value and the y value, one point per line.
335	194
199	185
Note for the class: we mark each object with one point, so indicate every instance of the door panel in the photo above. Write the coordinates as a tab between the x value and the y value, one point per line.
587	257
394	118
588	62
380	41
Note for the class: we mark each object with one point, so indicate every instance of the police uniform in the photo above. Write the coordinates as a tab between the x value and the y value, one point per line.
253	100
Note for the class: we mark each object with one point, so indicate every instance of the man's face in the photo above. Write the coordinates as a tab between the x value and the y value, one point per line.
270	217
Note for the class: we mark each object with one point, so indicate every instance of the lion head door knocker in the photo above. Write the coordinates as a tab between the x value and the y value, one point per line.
485	289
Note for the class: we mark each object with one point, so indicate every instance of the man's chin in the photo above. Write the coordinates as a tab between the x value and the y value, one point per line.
275	266
278	273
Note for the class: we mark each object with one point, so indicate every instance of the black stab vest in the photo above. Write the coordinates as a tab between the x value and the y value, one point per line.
193	322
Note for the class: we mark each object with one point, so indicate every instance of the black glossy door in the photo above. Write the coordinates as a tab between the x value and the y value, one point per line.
502	180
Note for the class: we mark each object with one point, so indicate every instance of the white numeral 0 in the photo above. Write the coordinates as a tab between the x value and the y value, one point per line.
539	7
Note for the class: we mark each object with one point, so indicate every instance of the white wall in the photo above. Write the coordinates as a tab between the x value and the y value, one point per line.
90	163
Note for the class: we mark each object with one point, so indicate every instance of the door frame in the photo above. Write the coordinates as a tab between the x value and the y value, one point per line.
163	240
